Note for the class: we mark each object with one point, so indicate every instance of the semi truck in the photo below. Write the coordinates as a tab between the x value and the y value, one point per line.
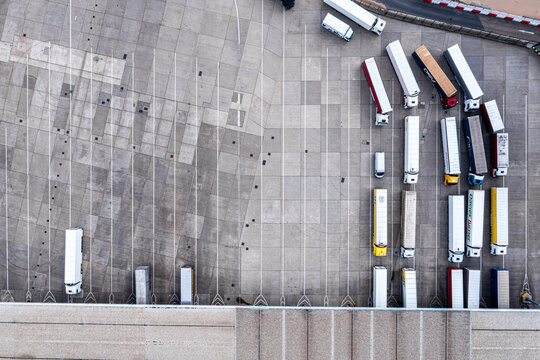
436	75
475	222
404	73
499	220
380	214
408	223
338	27
142	285
411	154
472	288
379	286
73	261
501	288
455	288
357	14
475	149
186	285
465	77
500	159
456	228
378	93
492	117
408	288
450	144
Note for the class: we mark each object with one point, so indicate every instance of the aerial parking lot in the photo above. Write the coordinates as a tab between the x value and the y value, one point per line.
246	150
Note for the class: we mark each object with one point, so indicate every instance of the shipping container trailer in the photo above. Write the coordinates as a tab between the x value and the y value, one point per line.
456	228
404	73
500	157
499	220
501	288
475	222
455	288
186	285
411	154
380	220
450	145
142	285
378	92
408	223
379	287
73	256
472	288
408	287
475	148
492	117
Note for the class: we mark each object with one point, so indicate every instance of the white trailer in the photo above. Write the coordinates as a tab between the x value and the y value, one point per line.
186	285
408	286
378	93
501	288
408	223
380	220
411	158
73	261
455	288
450	144
475	222
464	77
492	117
338	27
379	286
456	228
499	154
404	74
499	221
142	285
472	288
357	14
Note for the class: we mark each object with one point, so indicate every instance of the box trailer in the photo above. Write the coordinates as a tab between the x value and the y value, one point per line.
472	288
501	288
338	27
450	144
411	154
408	287
475	148
499	220
492	117
404	73
456	228
455	288
73	261
380	215
378	93
475	222
357	14
408	223
142	285
379	286
442	83
499	154
186	285
465	77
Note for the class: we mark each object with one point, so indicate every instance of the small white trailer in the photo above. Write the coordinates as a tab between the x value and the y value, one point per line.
186	285
475	222
411	154
404	73
379	287
455	288
142	285
357	14
338	27
378	93
501	288
408	287
73	261
472	288
499	220
492	117
408	223
456	228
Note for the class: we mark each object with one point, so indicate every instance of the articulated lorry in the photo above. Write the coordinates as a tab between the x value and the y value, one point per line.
404	74
379	286
475	222
501	288
357	14
408	288
411	154
408	223
464	77
475	149
380	227
455	288
492	117
378	93
442	83
472	288
500	158
499	220
456	228
450	144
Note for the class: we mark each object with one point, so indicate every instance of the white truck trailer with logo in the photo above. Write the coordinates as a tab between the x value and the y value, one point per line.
475	222
404	74
378	93
499	220
142	285
450	144
472	288
338	27
357	14
408	287
501	288
380	220
464	77
456	228
499	154
411	154
379	287
455	288
492	117
73	261
408	223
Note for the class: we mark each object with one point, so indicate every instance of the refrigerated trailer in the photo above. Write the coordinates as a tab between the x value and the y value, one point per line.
379	286
475	148
380	215
186	285
404	74
338	27
411	154
450	144
500	159
501	288
408	287
499	221
378	93
357	14
472	288
442	83
492	117
408	223
455	288
456	228
142	285
73	261
465	77
475	222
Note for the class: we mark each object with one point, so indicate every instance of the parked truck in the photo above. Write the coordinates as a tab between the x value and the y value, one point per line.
379	286
338	27
408	287
73	261
186	285
378	93
501	288
456	228
472	288
450	144
142	285
408	223
475	222
475	149
404	73
357	14
455	288
442	83
492	117
500	157
499	220
411	154
465	77
380	230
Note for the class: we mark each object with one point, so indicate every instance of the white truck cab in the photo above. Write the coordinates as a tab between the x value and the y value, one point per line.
73	261
379	165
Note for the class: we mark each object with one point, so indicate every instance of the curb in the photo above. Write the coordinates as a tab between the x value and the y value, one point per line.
484	11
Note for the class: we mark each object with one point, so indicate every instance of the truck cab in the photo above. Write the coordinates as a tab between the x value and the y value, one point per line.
379	26
449	102
451	179
381	119
410	101
474	179
472	104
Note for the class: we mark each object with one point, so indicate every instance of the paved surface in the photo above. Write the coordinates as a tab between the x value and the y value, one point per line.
225	210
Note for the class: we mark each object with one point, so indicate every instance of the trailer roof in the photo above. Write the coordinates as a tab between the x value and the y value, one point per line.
461	69
377	86
436	71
